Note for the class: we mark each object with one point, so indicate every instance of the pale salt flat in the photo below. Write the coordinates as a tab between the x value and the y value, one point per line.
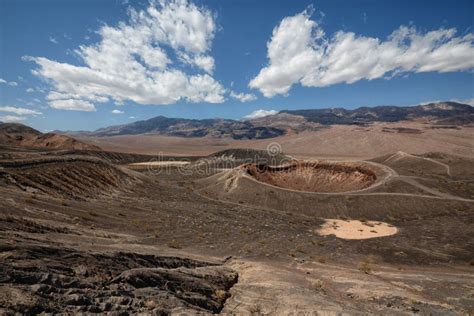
354	229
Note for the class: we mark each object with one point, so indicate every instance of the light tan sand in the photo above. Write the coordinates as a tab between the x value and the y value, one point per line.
353	229
161	163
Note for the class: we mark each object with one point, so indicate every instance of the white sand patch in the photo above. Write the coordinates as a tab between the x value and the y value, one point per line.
353	229
161	163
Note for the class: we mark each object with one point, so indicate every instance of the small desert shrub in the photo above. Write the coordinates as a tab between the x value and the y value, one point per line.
136	222
391	218
301	250
92	213
322	260
366	264
413	302
64	203
220	294
319	243
150	304
318	285
365	267
255	309
174	244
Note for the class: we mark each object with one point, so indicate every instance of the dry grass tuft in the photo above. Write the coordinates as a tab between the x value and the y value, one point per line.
318	286
174	244
220	294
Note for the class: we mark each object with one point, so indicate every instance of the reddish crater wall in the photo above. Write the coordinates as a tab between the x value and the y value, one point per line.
314	176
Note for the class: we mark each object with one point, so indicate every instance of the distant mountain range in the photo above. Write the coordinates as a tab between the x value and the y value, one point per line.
435	112
192	128
286	121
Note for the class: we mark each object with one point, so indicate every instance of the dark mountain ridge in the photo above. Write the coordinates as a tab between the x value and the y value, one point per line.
436	111
192	128
291	120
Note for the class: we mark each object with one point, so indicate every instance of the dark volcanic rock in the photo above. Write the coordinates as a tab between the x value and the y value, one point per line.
76	177
120	282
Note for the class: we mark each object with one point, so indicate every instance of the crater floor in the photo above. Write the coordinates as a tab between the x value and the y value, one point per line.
315	176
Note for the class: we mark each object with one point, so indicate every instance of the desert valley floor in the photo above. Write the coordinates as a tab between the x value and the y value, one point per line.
387	231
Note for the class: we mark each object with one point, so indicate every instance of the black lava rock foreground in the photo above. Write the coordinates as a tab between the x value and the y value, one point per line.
57	280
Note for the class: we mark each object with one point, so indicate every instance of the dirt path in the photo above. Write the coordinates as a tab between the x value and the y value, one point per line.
437	193
401	154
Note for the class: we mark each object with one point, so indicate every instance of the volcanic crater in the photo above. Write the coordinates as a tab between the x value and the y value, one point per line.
324	177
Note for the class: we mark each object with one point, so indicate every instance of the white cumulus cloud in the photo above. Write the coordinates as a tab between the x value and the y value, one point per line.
243	97
259	113
19	111
11	118
300	52
117	111
142	60
72	105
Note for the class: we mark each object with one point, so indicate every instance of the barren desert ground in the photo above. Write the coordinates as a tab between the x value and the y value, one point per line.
345	141
383	232
236	157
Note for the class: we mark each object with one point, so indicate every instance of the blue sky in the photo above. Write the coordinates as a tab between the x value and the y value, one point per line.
273	55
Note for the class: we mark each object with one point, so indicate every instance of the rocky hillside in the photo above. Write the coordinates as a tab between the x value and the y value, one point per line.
192	128
18	135
434	112
72	177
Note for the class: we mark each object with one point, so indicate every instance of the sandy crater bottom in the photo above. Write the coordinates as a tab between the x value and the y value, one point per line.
354	229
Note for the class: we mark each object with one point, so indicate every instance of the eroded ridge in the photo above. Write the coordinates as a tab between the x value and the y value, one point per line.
74	177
